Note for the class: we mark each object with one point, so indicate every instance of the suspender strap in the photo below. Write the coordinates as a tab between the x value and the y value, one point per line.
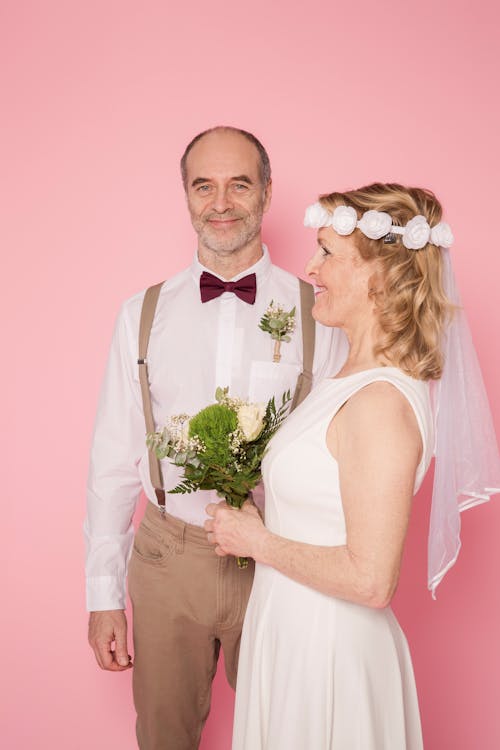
304	381
147	317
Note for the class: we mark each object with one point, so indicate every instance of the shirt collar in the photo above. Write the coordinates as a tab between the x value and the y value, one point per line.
260	269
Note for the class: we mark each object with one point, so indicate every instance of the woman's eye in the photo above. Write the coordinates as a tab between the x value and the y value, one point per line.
324	251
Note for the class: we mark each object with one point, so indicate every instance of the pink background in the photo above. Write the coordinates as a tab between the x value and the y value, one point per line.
100	98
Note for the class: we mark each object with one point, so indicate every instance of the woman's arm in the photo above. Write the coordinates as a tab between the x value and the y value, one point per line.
376	441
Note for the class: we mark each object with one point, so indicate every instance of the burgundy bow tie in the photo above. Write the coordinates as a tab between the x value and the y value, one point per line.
212	287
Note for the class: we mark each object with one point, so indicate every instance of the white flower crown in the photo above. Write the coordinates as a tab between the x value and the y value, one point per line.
377	224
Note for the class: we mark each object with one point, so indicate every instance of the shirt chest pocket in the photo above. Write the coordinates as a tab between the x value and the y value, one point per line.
269	379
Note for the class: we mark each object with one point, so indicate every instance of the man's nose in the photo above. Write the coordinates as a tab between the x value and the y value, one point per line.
222	201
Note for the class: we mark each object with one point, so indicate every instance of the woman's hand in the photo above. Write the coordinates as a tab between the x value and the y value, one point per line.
234	531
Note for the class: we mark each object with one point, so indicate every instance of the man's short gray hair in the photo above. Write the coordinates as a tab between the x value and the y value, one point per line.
264	166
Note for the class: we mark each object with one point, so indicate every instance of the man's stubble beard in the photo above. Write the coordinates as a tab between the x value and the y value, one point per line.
229	245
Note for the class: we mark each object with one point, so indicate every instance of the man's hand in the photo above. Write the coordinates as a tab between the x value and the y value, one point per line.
106	628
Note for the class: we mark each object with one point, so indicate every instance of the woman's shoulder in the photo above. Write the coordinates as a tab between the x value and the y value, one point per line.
381	401
387	402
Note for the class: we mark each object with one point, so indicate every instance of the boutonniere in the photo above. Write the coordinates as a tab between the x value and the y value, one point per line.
279	324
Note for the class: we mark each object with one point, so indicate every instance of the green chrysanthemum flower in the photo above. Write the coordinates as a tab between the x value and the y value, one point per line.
212	426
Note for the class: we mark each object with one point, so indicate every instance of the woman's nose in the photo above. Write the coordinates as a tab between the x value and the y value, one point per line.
312	265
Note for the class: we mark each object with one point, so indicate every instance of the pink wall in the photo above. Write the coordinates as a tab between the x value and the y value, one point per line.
100	98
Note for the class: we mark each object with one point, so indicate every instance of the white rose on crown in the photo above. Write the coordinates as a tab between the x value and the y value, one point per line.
375	224
344	220
417	233
441	235
251	420
317	216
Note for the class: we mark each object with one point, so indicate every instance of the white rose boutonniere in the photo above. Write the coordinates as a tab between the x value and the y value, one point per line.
279	324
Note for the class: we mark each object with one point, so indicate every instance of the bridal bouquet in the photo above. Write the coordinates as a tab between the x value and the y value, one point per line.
221	447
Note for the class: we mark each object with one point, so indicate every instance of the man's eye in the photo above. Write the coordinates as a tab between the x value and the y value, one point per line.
240	187
203	188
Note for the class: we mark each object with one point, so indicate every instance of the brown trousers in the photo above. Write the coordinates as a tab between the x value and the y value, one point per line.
187	603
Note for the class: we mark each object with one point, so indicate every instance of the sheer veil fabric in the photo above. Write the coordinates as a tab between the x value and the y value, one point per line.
467	462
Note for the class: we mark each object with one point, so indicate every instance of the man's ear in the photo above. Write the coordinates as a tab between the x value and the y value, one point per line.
268	192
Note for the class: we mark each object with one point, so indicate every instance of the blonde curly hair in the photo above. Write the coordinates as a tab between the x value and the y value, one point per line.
412	306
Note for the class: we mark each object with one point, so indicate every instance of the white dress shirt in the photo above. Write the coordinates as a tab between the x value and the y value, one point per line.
194	347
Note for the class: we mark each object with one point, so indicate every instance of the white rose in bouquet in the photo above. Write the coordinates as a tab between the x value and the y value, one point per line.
251	420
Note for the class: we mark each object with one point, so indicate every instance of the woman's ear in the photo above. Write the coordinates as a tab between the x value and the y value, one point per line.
375	285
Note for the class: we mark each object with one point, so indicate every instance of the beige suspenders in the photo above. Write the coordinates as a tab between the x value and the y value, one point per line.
304	381
147	317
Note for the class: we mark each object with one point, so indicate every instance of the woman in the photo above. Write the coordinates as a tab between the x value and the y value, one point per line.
323	662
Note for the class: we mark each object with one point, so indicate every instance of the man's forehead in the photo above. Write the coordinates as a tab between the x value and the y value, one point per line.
223	153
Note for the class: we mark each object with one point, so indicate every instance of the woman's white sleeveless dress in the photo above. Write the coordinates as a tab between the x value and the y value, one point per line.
316	672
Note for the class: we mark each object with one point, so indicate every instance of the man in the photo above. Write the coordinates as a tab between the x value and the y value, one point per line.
187	602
